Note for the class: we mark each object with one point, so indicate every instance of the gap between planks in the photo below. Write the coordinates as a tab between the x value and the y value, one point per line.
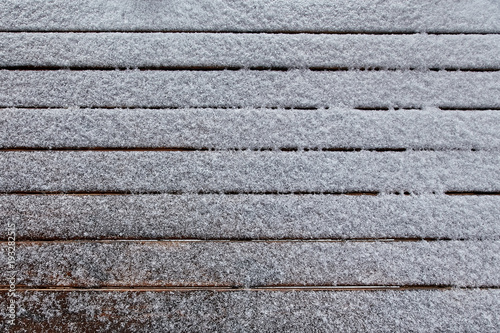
236	240
371	193
190	149
238	68
266	32
4	288
238	107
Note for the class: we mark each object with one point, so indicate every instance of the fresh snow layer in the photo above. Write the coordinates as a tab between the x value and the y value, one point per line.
264	263
253	15
42	217
132	88
473	311
248	50
228	92
249	128
248	171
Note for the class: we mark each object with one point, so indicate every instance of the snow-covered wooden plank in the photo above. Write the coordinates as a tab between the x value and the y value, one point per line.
244	171
249	128
242	311
264	263
132	50
255	15
297	88
163	216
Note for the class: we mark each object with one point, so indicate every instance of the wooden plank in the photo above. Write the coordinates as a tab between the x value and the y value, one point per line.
311	57
39	217
255	15
296	88
253	172
209	50
266	263
249	128
380	311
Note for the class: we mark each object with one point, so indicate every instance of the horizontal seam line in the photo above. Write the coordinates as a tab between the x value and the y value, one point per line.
238	107
242	149
187	149
238	68
262	31
245	240
104	107
462	108
183	193
254	288
370	193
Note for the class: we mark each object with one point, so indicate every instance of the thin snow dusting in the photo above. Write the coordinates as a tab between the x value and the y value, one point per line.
250	166
215	216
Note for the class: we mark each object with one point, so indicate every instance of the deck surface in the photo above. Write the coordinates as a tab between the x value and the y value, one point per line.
250	166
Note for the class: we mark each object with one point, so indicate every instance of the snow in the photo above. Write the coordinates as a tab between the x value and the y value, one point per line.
165	216
270	311
478	16
249	264
250	128
293	88
279	166
248	171
132	50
